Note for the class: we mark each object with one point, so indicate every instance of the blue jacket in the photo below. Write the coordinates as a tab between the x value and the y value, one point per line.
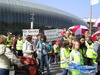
44	48
49	47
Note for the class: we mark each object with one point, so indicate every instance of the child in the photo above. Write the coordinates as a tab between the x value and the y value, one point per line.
70	43
64	57
56	51
50	53
75	55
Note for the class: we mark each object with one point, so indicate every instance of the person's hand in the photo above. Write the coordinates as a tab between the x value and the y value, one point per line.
32	51
44	43
20	66
39	51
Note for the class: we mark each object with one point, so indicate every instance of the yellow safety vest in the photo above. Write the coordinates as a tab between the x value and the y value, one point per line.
56	50
64	38
70	35
9	42
77	58
64	64
90	53
86	43
19	44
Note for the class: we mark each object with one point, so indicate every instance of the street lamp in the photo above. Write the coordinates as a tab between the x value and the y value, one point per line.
32	22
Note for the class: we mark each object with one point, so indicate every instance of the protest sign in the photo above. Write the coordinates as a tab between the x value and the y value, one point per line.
53	34
32	32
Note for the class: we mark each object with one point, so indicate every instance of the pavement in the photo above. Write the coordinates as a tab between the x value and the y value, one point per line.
55	69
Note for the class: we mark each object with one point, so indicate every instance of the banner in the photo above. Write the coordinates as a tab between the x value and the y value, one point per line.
33	32
93	2
53	34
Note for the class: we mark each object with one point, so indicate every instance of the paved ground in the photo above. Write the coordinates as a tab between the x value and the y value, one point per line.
55	69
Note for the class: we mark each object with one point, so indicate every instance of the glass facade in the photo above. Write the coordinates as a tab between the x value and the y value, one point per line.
15	15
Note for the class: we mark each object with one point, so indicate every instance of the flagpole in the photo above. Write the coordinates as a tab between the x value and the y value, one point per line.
91	19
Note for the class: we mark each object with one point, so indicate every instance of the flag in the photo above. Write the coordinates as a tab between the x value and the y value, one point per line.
97	23
79	29
95	34
93	2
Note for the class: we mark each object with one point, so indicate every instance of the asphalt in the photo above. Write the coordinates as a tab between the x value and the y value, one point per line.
55	69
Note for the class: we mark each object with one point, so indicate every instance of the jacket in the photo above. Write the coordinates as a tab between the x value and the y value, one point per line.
27	48
6	56
97	49
64	57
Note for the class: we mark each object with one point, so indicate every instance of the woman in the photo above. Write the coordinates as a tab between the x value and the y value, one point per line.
28	47
83	48
6	56
64	57
44	55
14	42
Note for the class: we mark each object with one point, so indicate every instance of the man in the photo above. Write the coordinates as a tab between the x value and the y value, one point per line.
9	40
19	46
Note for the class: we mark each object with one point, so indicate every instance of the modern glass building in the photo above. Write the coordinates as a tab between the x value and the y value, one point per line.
15	15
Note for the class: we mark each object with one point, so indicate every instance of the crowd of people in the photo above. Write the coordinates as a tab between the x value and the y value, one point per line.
71	48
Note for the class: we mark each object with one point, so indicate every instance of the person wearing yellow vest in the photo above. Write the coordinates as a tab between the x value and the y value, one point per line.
9	40
19	46
64	57
50	53
76	57
70	43
66	35
90	53
83	48
56	51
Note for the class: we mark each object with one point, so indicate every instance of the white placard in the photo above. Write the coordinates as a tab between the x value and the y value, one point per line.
53	34
32	32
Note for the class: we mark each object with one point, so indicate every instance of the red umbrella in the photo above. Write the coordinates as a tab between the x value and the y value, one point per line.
78	29
95	34
97	23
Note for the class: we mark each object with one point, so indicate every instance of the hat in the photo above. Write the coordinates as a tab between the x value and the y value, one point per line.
9	33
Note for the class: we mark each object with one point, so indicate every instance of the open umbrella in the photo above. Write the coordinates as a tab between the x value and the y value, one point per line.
78	29
95	34
97	23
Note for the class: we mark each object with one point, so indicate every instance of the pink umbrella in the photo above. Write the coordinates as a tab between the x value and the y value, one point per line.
97	23
95	34
78	29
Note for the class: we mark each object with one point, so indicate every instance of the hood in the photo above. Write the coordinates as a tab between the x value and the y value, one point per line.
2	49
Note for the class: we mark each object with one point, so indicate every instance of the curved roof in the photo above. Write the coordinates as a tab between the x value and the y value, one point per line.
42	9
